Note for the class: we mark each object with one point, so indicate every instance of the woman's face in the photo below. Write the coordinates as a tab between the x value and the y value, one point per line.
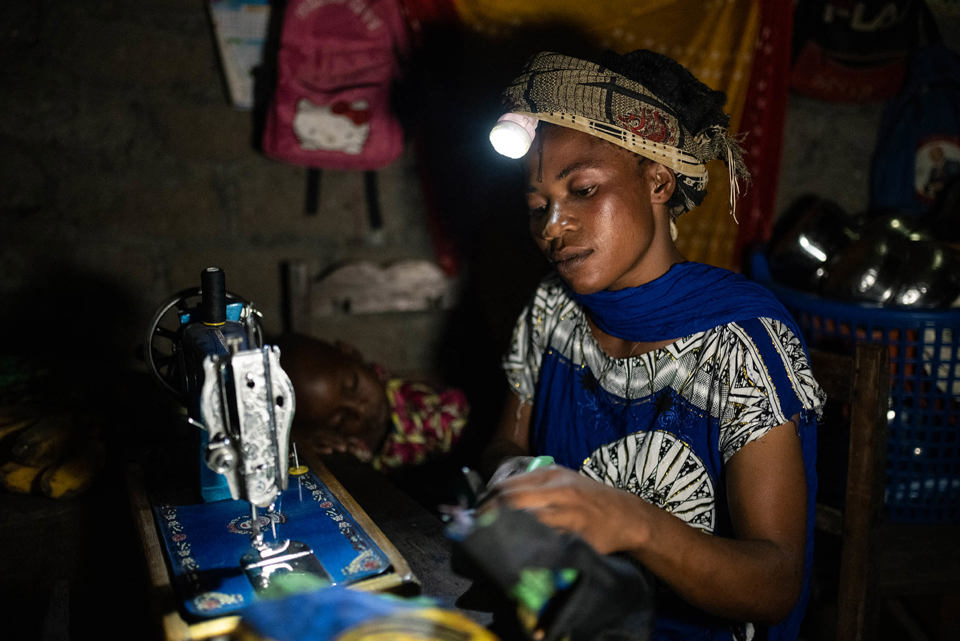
591	211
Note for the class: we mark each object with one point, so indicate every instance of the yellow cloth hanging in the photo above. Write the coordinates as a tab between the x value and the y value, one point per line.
714	39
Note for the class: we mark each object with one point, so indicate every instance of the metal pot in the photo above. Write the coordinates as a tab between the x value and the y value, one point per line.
806	240
897	263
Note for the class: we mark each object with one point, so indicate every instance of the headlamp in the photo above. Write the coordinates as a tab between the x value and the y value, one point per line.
513	134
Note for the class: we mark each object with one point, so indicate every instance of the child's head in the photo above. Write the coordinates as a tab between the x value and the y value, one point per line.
336	390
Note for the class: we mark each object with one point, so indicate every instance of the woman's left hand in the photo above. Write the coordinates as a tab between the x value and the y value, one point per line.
566	500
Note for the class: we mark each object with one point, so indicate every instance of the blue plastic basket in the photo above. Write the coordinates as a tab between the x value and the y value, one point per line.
923	453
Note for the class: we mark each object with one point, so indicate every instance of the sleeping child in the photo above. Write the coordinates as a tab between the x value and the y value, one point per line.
346	404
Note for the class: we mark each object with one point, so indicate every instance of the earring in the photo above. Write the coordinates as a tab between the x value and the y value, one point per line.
673	230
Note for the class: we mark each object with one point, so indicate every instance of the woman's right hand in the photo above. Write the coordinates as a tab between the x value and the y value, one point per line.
569	501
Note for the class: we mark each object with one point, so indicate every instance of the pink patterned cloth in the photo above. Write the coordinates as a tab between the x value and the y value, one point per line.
425	422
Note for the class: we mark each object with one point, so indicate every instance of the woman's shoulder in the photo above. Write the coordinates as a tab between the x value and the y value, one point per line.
551	298
768	348
753	333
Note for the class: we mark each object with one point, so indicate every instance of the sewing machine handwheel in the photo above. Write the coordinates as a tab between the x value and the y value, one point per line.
162	349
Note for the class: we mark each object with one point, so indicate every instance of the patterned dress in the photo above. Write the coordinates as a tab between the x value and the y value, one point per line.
661	425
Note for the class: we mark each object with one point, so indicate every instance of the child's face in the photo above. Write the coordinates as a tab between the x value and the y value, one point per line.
337	392
590	211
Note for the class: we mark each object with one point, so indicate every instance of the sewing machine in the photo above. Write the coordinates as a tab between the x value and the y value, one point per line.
264	515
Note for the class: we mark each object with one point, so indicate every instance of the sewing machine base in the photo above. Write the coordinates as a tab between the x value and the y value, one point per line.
194	558
266	565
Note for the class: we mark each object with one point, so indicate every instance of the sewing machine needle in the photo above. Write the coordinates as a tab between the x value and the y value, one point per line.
298	471
256	534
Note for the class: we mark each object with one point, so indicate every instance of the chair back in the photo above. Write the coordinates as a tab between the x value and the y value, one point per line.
861	384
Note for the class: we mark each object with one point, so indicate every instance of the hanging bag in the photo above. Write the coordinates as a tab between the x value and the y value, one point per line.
917	155
336	66
854	50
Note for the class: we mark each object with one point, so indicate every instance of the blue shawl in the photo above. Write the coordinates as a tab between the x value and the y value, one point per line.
689	298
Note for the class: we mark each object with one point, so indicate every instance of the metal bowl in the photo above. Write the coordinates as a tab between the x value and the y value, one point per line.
806	240
868	271
931	278
896	263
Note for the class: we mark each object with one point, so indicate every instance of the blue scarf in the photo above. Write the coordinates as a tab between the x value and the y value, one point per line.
689	298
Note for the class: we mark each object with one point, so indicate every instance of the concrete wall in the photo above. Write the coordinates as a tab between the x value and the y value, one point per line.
124	172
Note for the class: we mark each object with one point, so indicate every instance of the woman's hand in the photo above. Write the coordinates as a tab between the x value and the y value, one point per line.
569	501
755	576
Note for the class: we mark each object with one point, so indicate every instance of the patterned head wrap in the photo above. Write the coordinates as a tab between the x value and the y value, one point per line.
643	102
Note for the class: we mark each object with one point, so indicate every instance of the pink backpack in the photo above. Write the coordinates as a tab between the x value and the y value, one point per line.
336	65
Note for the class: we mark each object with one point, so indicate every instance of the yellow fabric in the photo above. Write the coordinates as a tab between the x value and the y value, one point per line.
714	39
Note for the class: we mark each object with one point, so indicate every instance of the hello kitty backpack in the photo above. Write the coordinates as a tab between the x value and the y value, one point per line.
336	64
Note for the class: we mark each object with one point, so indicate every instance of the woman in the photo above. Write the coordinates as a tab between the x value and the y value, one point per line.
675	397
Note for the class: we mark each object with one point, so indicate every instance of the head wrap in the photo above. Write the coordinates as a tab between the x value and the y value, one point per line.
617	102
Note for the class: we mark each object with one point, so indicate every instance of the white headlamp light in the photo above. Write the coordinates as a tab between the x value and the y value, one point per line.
513	134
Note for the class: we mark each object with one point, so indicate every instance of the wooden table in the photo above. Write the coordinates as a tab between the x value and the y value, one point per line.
413	530
411	536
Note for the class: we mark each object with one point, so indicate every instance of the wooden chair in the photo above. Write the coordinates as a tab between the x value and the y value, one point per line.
881	563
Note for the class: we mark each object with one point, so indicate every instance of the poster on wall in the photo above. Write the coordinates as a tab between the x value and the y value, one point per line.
240	27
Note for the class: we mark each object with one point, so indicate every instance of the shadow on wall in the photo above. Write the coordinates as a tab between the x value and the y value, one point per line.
450	100
72	342
80	328
68	342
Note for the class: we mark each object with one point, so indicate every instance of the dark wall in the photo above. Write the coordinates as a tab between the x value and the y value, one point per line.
126	170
